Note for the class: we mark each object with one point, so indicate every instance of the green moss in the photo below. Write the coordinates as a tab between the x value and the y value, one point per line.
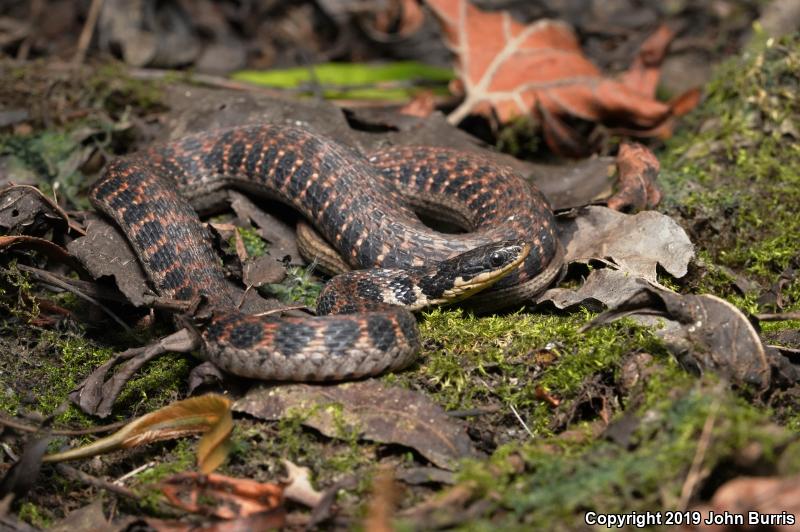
520	138
516	357
50	363
253	243
298	287
563	479
734	167
159	383
31	513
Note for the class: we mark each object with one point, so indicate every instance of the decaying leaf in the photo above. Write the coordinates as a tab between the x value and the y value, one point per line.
24	210
222	496
21	476
97	393
633	243
378	412
105	252
604	287
209	414
42	245
89	517
638	170
706	333
513	69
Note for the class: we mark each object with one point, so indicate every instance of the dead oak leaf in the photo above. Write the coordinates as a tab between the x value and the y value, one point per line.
513	69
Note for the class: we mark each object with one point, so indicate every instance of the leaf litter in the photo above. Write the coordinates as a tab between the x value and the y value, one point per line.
626	266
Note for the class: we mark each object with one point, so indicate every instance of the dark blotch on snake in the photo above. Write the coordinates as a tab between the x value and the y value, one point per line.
342	336
292	337
381	332
246	334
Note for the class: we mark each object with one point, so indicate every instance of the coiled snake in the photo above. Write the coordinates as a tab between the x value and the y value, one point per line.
365	208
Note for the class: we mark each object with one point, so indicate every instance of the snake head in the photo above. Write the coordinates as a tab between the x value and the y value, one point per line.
474	270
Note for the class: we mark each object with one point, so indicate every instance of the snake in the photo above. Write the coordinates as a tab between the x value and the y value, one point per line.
366	208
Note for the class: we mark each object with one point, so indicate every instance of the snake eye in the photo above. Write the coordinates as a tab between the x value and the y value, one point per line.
496	259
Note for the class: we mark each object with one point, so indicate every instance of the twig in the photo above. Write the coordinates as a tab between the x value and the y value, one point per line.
47	277
18	425
100	292
88	30
694	475
782	316
76	474
131	474
524	425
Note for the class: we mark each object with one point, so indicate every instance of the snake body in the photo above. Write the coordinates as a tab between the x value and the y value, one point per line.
365	208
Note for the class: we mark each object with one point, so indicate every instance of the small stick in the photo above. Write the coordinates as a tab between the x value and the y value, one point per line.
519	418
18	425
783	316
47	277
88	30
76	474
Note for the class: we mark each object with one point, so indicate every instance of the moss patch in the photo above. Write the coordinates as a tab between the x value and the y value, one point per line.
731	174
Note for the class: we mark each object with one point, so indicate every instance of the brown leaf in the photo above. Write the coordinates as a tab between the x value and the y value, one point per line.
89	517
41	245
704	332
400	18
25	210
209	414
776	500
638	170
105	252
603	287
634	243
96	394
383	502
513	69
222	496
421	106
380	413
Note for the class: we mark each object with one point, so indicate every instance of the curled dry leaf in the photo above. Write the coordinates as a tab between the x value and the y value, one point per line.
604	287
97	393
222	496
35	243
638	169
378	412
209	414
513	69
706	333
21	476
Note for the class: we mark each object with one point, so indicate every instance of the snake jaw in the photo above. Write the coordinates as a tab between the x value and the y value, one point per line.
464	287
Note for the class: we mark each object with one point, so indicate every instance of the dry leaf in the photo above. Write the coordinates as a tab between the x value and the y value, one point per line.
704	332
766	503
633	243
378	412
513	70
222	496
297	485
209	414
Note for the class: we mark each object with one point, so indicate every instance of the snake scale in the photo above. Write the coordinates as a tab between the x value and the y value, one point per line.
365	208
